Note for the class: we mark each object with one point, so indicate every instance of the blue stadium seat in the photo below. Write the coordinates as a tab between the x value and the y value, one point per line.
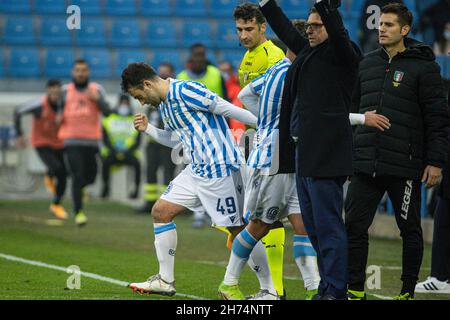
58	63
92	33
88	7
356	8
156	8
222	8
297	9
50	7
190	8
24	63
235	57
99	61
226	36
444	63
161	34
19	31
352	26
2	65
411	4
172	56
196	32
126	33
124	57
120	7
17	6
55	32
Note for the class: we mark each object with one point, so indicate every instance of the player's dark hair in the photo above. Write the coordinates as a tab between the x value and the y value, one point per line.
80	61
313	10
247	11
53	83
135	74
404	15
197	45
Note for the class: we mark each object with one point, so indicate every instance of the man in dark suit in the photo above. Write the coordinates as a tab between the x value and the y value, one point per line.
318	87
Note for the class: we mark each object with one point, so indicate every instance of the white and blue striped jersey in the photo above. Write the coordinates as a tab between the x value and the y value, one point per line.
207	140
269	87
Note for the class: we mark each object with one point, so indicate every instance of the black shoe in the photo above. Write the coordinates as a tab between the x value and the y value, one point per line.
316	297
105	193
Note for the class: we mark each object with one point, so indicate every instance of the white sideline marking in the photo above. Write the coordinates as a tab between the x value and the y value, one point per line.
85	274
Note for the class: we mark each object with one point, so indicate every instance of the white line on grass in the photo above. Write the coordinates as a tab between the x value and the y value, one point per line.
85	274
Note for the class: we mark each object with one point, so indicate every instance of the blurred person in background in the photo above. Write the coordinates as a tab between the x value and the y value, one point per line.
120	145
436	18
44	138
83	103
233	89
157	155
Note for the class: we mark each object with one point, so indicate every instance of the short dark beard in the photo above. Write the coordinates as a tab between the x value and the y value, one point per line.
81	85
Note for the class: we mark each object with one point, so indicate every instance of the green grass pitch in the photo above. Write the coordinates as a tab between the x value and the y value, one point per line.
118	244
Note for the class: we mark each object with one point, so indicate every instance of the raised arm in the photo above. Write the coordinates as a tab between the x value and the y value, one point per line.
32	107
337	34
282	26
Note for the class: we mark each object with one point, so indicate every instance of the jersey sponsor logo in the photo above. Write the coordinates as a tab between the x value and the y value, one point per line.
406	199
232	218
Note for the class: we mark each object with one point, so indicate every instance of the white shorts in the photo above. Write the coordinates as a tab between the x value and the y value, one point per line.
270	198
221	198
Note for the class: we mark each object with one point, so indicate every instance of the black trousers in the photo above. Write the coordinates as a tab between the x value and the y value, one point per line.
129	160
54	161
363	197
82	162
440	255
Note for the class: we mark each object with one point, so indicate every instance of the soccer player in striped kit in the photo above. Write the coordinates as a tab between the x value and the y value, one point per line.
195	116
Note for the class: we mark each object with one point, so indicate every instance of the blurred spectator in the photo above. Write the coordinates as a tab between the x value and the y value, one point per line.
369	37
120	145
157	155
443	46
44	137
436	18
83	103
199	69
233	89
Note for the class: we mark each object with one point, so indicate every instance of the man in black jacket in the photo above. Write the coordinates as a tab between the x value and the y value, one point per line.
318	86
400	80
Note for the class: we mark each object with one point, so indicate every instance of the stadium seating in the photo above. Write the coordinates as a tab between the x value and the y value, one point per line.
355	8
222	8
161	34
195	32
58	63
17	6
2	66
444	63
19	31
297	9
120	7
126	33
190	8
235	57
24	63
352	26
87	7
55	32
50	7
99	61
226	36
172	56
92	33
156	8
124	57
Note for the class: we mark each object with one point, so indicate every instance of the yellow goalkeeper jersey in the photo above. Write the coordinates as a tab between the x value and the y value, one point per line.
257	61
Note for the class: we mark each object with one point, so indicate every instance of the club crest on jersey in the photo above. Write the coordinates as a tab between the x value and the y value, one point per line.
398	77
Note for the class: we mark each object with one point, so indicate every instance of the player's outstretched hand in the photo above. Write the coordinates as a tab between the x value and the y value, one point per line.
376	121
140	122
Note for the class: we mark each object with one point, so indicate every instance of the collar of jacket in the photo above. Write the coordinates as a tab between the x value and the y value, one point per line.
414	49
